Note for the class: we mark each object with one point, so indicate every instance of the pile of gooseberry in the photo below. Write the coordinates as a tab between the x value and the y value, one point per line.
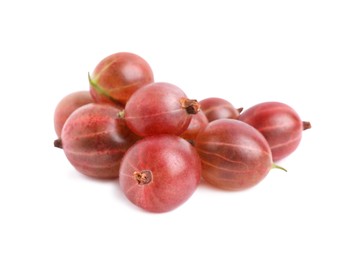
160	144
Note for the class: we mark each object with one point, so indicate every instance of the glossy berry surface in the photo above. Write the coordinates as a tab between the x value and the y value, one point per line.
159	108
94	140
218	108
118	76
280	125
235	156
67	105
197	123
159	173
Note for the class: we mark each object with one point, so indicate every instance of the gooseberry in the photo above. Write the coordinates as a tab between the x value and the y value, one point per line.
67	105
159	108
95	140
159	173
118	76
218	108
279	124
235	156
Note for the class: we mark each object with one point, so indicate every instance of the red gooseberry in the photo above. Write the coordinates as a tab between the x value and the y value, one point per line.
159	173
159	108
279	124
67	105
118	76
218	108
235	156
95	140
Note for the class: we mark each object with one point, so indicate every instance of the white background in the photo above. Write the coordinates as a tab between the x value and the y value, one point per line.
244	51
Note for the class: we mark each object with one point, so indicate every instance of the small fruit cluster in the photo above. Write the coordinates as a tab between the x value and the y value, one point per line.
160	143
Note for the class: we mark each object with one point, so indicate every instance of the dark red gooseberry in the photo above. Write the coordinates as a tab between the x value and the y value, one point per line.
118	76
197	123
235	156
159	108
67	105
159	173
218	108
95	140
280	125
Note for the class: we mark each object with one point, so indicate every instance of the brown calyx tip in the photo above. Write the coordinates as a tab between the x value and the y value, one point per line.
143	177
306	125
57	143
192	106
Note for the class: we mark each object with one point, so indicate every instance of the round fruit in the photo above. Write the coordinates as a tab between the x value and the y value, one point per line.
67	105
159	173
218	108
118	76
159	108
279	124
94	140
235	156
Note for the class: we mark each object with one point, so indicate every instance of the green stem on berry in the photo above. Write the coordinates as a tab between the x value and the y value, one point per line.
101	90
275	166
58	144
192	106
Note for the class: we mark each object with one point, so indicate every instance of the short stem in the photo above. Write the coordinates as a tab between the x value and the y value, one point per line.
306	125
143	177
240	109
58	143
275	166
100	90
192	106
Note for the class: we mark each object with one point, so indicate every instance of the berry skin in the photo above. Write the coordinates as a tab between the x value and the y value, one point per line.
235	156
279	124
95	140
159	108
118	76
218	108
197	123
67	105
159	173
